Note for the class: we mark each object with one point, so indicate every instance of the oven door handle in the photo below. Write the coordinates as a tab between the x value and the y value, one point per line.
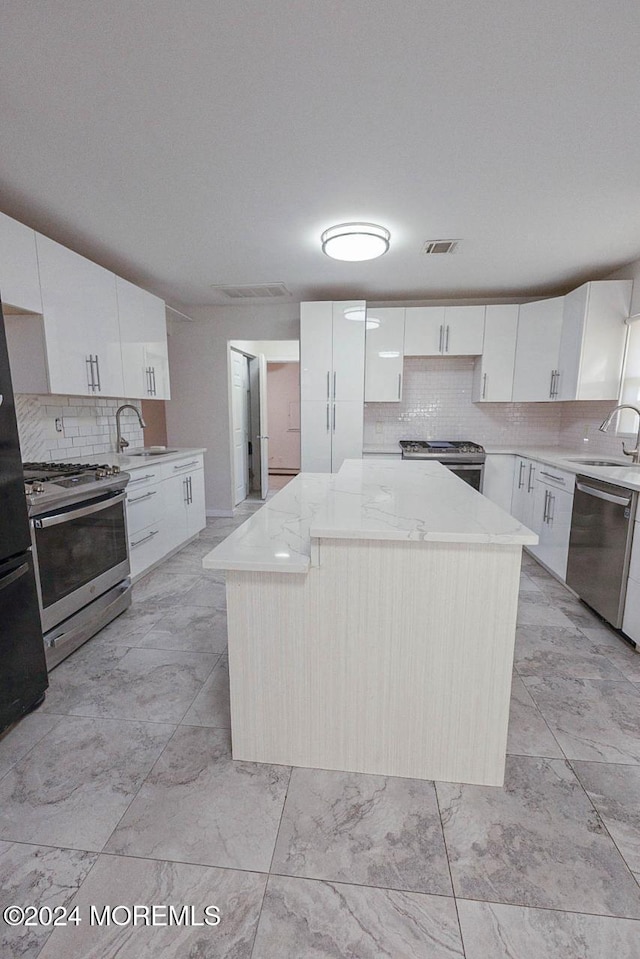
56	518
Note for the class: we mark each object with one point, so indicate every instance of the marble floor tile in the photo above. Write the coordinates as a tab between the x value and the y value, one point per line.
492	931
128	628
596	719
40	876
578	613
371	830
75	784
195	629
160	589
211	706
206	592
615	792
198	805
305	919
527	584
115	880
17	741
153	685
529	735
534	610
557	651
622	655
537	842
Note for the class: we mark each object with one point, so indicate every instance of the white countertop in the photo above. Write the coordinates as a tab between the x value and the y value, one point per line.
128	463
399	501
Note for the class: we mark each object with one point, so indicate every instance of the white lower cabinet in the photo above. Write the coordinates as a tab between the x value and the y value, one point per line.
497	482
523	505
165	508
631	619
554	504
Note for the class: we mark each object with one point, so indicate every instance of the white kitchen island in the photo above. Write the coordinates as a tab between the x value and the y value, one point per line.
371	619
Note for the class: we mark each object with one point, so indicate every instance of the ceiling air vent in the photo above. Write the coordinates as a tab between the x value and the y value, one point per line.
440	246
263	291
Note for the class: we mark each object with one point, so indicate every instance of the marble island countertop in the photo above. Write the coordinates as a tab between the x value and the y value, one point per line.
398	501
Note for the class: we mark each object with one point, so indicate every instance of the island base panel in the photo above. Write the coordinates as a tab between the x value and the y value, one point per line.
387	658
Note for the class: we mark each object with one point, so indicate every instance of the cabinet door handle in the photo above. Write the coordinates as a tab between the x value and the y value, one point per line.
399	385
553	376
334	417
139	479
328	385
544	510
484	386
190	490
446	342
552	508
91	385
183	466
440	341
98	383
139	499
532	470
155	391
185	483
335	376
552	476
328	417
520	480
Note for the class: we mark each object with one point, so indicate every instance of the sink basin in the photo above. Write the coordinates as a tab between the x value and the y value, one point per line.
149	452
576	459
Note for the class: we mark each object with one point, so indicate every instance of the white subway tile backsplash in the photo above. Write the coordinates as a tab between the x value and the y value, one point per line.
88	426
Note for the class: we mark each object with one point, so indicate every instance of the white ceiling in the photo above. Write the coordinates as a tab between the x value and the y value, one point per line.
199	142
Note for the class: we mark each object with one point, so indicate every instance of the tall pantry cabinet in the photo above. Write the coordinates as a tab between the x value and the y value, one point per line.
331	383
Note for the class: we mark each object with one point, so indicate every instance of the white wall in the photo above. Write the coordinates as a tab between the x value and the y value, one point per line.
198	412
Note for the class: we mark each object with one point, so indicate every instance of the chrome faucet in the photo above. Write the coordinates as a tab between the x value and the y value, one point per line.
121	442
604	426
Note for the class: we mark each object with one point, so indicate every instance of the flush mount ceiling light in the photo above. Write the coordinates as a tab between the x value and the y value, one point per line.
359	315
355	241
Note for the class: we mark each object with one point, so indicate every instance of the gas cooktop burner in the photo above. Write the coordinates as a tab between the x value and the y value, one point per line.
443	450
45	472
49	484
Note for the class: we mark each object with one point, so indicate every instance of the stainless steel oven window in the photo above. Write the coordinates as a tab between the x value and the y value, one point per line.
78	545
470	473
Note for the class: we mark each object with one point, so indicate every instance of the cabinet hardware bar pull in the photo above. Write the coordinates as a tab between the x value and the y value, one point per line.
522	469
446	342
155	391
328	385
98	374
552	476
139	499
440	343
91	386
138	479
138	542
335	376
553	373
532	470
328	417
183	466
484	385
399	385
190	486
185	483
552	503
544	511
334	417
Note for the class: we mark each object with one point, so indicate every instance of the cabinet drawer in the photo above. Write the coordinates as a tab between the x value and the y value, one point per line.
551	476
144	507
142	478
187	465
146	547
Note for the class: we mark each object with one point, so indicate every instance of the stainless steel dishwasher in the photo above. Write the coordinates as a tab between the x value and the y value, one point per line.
600	545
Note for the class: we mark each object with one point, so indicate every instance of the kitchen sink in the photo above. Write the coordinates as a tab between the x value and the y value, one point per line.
577	459
151	452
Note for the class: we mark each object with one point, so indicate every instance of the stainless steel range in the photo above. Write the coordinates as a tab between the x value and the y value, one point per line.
79	533
462	457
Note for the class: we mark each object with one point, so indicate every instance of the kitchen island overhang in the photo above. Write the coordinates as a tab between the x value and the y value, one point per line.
371	619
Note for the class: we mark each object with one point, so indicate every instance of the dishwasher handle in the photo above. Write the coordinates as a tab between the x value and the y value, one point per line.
600	494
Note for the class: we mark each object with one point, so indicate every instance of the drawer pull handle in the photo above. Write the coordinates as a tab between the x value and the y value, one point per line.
139	479
139	542
139	499
559	479
183	466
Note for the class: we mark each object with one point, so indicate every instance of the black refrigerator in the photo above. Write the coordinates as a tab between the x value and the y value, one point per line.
23	670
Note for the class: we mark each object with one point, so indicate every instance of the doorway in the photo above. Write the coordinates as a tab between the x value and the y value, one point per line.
264	384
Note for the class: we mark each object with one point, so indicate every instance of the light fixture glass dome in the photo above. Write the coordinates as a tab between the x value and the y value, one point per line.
359	315
355	241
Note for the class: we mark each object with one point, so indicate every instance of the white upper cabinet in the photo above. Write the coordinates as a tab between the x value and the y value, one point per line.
80	312
593	340
493	371
143	335
537	350
19	278
384	337
331	383
444	331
